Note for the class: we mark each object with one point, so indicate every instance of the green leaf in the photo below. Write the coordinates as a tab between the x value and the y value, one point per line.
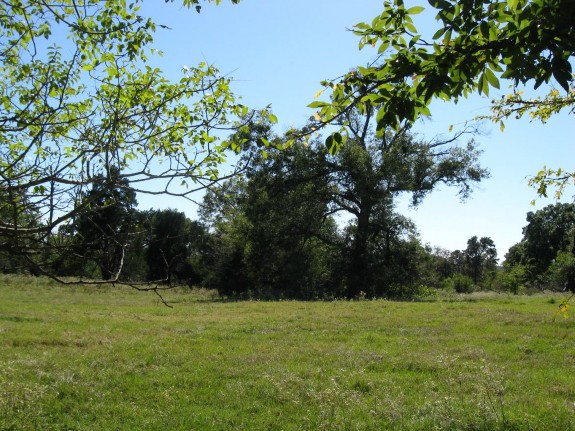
317	104
484	29
512	4
330	145
414	40
447	37
338	138
334	142
439	33
483	86
562	72
415	10
373	98
491	78
410	27
383	47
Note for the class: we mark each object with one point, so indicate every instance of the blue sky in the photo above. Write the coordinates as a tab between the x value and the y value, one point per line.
278	52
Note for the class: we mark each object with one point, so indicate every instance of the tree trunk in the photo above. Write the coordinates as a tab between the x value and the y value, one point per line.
358	273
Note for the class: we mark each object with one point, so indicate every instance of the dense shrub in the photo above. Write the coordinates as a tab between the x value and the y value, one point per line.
460	283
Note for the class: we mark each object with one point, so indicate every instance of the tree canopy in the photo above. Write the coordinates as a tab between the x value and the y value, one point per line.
522	40
476	43
549	232
102	232
371	171
80	102
277	226
481	256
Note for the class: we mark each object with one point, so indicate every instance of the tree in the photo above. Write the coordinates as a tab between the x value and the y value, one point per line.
276	227
102	232
292	236
481	258
273	236
88	107
290	196
172	240
12	248
525	41
370	171
549	232
310	181
545	257
436	266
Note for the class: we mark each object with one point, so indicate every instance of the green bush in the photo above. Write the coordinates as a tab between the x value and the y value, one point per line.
460	283
561	269
513	279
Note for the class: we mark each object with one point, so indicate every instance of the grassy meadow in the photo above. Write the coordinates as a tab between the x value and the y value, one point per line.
110	358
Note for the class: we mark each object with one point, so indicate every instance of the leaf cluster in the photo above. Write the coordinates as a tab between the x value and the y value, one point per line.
80	102
477	43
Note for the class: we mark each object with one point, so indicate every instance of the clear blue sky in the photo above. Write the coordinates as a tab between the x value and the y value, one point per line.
278	52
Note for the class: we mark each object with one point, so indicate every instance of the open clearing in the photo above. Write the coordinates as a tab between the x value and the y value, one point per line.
86	358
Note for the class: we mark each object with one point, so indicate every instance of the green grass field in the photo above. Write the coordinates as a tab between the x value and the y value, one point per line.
109	358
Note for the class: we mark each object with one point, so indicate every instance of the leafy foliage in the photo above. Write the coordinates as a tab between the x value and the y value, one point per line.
469	269
103	231
539	108
477	43
564	307
460	283
547	233
520	40
275	231
273	235
546	250
558	179
80	102
481	258
171	241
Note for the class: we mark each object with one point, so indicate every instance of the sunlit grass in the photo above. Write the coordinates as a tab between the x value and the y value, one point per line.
86	358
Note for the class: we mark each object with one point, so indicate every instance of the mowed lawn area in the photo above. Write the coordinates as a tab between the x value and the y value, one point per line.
110	358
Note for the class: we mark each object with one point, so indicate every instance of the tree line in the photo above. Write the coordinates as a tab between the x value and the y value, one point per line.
307	223
87	123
